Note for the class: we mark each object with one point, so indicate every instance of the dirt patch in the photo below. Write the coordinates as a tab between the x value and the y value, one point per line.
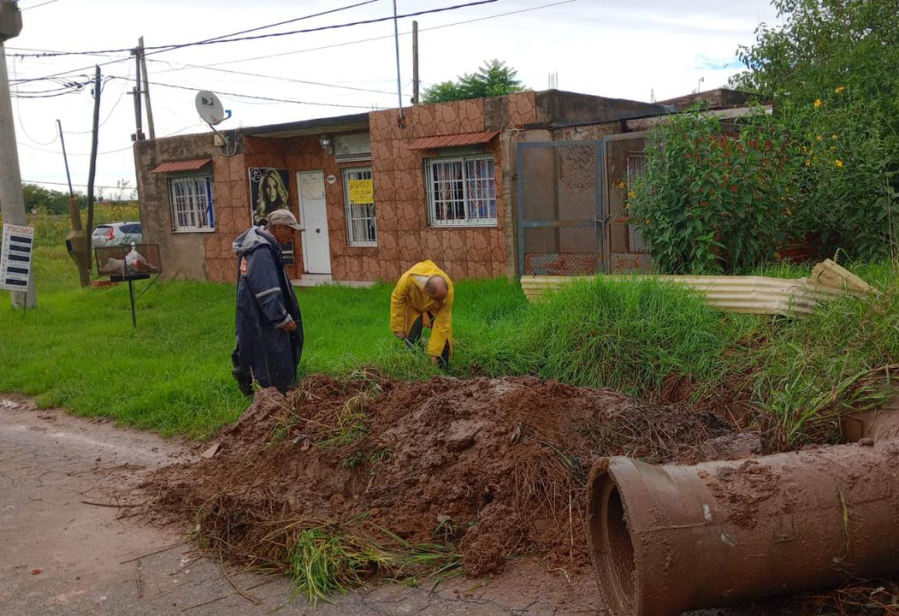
492	468
741	489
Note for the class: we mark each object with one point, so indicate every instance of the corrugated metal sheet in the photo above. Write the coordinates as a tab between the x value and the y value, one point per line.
747	294
182	165
452	141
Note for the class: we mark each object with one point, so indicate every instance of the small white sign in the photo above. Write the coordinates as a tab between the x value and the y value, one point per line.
311	187
15	257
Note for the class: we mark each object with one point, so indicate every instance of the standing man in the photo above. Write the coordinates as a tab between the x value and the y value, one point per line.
423	297
269	325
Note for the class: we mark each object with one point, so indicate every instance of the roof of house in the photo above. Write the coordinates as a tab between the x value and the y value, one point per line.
336	124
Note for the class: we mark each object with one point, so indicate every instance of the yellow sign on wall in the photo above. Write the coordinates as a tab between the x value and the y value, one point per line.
362	192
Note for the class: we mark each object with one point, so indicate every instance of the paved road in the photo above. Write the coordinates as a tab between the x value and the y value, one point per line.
63	553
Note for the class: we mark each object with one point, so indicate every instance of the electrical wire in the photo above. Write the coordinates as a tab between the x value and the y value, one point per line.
28	8
388	36
289	79
225	39
260	98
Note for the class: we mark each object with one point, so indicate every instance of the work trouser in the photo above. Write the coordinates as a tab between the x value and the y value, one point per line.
414	336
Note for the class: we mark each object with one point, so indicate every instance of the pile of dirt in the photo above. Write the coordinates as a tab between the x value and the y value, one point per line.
492	467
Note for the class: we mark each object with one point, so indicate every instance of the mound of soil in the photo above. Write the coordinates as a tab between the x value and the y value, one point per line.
493	467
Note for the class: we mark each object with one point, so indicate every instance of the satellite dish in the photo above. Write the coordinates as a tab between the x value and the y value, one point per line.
210	108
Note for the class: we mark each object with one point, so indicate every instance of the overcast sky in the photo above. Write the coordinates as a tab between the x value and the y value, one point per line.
617	48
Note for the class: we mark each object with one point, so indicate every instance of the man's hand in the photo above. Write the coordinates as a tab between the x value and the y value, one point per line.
290	327
400	335
434	359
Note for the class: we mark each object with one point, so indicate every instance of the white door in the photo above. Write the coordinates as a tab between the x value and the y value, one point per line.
314	219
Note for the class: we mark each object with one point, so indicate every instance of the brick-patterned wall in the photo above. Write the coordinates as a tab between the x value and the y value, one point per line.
404	236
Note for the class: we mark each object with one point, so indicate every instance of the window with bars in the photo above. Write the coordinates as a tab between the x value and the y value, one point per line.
191	200
461	191
360	207
636	164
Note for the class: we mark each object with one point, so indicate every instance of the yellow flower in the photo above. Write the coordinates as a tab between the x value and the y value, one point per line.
840	89
808	163
632	195
819	137
648	221
834	136
818	103
838	162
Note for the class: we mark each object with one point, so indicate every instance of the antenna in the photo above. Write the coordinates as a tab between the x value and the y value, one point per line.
212	112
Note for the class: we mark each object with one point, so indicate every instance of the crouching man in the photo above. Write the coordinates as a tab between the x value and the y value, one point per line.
268	322
423	297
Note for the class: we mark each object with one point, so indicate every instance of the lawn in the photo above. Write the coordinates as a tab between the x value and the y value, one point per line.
171	373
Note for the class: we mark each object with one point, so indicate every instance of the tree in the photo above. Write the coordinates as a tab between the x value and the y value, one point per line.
51	201
492	79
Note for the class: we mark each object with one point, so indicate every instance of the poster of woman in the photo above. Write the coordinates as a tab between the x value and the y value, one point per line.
268	192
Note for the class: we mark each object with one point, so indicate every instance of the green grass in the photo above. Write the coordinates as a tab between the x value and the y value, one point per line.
171	374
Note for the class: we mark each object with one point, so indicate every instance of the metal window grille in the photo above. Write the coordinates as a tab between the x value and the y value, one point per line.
461	191
636	165
191	199
360	217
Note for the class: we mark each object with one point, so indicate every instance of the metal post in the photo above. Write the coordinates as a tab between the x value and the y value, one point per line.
143	63
131	295
399	83
415	82
12	201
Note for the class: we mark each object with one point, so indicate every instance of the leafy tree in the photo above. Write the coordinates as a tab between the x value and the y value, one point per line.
492	79
51	201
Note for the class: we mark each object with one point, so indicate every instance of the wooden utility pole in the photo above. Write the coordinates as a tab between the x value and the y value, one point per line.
143	63
92	171
75	240
12	201
135	92
401	120
415	85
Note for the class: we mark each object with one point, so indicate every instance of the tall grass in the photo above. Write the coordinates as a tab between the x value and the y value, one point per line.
172	373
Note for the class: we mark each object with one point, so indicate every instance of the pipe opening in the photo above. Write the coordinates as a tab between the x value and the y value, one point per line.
622	568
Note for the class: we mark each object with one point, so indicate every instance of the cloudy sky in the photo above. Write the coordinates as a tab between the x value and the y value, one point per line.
619	48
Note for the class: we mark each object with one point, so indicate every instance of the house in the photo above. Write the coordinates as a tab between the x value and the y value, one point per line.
493	187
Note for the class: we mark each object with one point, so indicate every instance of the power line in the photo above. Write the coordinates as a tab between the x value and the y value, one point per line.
388	36
225	39
75	184
100	53
311	83
28	8
261	98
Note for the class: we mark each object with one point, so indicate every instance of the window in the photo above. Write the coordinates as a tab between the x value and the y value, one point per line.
636	164
191	199
360	207
461	191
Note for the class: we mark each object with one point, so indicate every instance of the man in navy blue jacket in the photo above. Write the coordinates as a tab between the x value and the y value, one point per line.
269	325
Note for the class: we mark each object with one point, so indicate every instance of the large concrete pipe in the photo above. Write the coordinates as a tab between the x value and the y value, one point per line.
667	539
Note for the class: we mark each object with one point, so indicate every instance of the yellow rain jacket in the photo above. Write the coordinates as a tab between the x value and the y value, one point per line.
409	301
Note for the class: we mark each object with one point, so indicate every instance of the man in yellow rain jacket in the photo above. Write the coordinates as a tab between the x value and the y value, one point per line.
423	297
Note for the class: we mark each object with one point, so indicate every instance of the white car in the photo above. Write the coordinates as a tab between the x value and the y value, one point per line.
116	234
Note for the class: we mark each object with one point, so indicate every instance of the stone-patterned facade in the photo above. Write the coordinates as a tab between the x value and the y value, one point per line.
404	235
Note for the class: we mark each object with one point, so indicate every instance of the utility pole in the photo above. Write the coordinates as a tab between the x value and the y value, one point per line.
143	63
92	171
12	201
135	92
75	241
401	120
415	84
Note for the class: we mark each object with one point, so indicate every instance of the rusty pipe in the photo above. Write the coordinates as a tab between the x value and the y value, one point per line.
667	539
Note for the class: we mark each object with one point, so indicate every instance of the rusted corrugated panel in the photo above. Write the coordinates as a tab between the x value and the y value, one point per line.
182	165
452	141
747	294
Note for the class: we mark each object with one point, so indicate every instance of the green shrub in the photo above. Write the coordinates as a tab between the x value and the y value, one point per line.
711	201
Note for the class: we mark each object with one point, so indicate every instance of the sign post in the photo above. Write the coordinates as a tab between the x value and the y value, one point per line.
15	258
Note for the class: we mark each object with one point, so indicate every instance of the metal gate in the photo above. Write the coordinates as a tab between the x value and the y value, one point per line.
561	209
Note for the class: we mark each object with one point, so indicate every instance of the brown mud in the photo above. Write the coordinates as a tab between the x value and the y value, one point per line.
495	468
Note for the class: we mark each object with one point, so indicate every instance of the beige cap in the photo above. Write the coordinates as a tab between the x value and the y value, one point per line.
283	217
